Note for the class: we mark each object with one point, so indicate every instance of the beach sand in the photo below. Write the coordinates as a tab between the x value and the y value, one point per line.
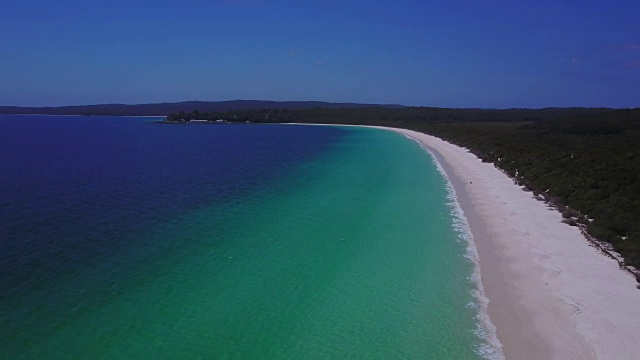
551	295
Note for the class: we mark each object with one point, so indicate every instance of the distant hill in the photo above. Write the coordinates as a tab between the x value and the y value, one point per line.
163	109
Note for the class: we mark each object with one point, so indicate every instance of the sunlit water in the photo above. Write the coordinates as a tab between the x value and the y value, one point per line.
124	239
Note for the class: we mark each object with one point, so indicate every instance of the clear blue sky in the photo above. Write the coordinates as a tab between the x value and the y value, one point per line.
455	53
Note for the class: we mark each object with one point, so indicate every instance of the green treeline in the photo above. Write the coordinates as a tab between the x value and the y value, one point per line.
585	161
382	115
588	166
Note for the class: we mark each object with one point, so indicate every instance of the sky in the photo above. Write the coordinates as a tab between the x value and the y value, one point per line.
455	53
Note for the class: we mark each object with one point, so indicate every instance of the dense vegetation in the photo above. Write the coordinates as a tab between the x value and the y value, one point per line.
392	116
588	167
585	161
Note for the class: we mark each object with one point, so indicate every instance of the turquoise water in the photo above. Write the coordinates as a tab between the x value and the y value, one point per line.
349	252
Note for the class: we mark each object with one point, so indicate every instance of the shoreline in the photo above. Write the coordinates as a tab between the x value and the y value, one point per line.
485	329
551	294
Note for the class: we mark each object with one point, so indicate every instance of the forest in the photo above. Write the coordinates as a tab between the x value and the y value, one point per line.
584	161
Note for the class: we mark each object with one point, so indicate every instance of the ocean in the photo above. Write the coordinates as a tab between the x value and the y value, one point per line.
125	239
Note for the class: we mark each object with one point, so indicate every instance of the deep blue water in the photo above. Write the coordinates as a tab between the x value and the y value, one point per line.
103	177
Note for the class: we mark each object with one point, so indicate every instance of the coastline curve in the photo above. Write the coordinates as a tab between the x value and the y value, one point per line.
491	347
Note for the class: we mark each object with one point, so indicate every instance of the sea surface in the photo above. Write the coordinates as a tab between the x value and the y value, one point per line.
125	239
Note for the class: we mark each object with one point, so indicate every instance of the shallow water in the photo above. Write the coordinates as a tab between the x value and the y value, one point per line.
125	239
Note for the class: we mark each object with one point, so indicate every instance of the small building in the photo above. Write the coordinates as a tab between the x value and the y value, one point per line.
220	121
199	121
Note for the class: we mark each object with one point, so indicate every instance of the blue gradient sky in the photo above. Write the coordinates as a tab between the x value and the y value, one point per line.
457	53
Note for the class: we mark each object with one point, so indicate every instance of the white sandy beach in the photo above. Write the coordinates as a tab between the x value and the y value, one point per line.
551	295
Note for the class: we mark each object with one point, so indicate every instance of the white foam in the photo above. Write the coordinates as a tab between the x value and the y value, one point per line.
576	302
489	345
